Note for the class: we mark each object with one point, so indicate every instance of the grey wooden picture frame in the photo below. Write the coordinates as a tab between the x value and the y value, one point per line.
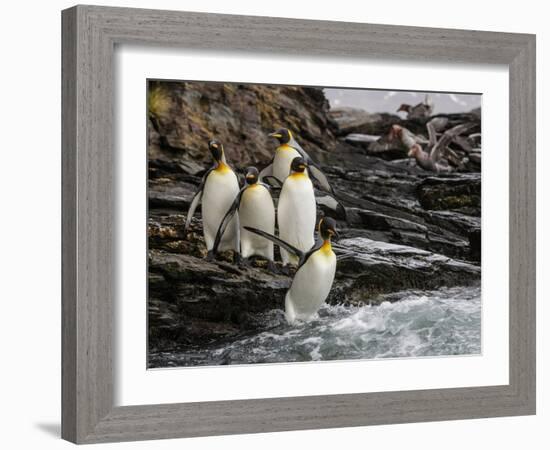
90	34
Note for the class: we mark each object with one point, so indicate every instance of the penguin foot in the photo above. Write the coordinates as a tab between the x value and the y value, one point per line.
272	267
245	263
239	260
210	256
285	270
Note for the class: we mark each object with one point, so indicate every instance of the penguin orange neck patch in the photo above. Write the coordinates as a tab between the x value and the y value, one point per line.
284	147
326	248
223	168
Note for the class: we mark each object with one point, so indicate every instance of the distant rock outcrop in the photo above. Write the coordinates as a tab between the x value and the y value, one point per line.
183	117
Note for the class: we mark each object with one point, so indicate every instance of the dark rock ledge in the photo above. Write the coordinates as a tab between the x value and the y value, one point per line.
195	302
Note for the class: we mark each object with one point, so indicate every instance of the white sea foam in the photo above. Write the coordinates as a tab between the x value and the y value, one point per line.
442	322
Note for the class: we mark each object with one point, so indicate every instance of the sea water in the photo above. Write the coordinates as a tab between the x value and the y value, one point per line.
446	321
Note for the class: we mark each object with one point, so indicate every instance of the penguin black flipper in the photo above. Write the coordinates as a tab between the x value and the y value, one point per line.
194	203
268	186
318	174
272	178
226	219
266	171
326	199
289	248
318	244
196	200
275	190
314	170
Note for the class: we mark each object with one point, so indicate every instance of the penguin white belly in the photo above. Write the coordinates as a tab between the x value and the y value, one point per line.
281	163
310	286
296	215
220	190
256	210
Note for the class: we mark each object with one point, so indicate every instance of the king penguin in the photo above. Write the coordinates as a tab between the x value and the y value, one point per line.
217	191
297	211
288	149
313	279
254	205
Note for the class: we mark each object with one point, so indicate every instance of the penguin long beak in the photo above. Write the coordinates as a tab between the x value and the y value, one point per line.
275	135
217	153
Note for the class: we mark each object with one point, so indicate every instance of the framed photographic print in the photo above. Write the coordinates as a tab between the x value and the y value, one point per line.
268	230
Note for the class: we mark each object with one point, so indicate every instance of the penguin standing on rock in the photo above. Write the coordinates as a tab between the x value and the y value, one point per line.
288	149
217	191
313	279
297	211
255	208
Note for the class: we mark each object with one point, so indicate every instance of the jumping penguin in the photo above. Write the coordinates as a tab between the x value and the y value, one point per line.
288	149
315	275
255	208
217	191
296	211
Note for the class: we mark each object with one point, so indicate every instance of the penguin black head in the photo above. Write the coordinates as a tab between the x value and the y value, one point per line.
251	175
298	165
216	148
327	228
283	135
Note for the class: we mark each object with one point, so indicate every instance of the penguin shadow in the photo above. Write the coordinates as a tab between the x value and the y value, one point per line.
225	261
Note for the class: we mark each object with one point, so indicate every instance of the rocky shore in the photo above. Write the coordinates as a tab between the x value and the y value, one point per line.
405	228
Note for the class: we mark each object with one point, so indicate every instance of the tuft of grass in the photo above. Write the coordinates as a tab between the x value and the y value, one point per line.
158	102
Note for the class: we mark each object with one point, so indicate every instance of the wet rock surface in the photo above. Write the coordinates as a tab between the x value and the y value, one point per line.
193	302
405	228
